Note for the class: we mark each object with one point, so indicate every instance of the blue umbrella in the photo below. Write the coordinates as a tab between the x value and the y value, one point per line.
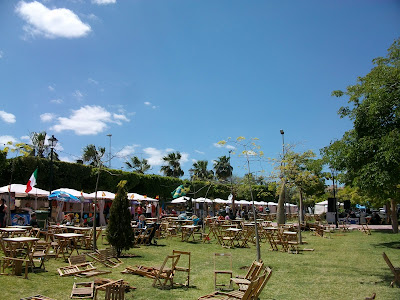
63	196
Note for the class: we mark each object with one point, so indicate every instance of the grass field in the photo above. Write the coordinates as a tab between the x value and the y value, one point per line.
346	266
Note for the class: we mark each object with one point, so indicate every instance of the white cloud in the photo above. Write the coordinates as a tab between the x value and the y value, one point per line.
126	151
25	138
199	152
7	117
51	23
93	17
154	156
120	117
1	54
147	103
226	146
104	2
184	158
56	101
47	117
88	120
51	88
78	95
91	80
4	139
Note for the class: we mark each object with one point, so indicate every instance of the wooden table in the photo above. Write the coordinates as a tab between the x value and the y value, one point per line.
188	231
65	240
12	231
235	233
25	243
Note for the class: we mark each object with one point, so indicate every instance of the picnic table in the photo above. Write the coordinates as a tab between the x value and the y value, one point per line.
188	231
12	231
21	247
67	240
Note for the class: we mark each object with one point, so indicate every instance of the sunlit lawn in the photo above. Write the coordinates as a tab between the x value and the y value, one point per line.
346	266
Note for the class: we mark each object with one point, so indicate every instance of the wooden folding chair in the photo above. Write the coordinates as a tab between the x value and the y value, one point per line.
224	262
166	272
395	270
114	290
271	239
76	269
364	228
183	268
16	265
82	290
111	255
252	273
39	254
80	261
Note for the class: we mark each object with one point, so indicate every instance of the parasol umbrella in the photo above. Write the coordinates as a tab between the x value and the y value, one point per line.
63	196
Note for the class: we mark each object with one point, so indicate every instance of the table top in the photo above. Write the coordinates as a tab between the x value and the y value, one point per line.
290	232
233	229
20	226
21	239
12	229
77	228
68	235
190	226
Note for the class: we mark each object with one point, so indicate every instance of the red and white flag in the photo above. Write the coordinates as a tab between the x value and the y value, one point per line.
32	181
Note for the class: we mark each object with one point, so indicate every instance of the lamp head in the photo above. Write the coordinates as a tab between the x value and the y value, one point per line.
53	141
282	132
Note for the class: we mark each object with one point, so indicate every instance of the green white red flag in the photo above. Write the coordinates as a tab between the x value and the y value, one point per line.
32	181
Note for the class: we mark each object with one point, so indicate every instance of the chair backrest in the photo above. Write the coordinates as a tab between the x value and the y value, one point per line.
77	259
262	282
181	253
254	270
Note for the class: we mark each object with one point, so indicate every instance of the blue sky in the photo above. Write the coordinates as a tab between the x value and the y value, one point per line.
181	75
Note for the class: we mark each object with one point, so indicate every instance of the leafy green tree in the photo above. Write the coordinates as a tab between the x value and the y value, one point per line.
304	173
39	146
92	155
138	165
369	154
119	231
200	170
173	165
223	168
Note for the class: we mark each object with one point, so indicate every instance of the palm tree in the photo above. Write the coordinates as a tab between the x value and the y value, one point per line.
200	170
139	166
38	140
173	165
223	168
92	155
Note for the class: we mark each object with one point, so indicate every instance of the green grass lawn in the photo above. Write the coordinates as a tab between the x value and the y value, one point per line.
346	266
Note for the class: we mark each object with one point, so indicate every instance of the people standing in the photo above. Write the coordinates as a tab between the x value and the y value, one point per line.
3	208
148	210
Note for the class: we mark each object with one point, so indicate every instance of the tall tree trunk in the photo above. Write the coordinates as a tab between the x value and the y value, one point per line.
388	212
395	222
280	213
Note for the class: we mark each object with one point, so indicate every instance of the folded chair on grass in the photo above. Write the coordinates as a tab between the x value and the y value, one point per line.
76	269
81	262
82	290
40	253
395	271
253	291
254	271
107	257
98	282
165	274
114	290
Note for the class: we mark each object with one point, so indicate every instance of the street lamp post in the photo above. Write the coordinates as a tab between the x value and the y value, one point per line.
233	196
53	142
282	164
109	153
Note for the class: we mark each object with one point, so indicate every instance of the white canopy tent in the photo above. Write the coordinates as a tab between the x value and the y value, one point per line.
140	198
75	193
19	190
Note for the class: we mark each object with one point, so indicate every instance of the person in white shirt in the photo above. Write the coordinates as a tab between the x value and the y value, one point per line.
148	210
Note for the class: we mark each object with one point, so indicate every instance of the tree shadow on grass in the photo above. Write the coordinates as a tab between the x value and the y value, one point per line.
393	245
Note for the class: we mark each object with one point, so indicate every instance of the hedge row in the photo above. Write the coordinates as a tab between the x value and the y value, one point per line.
83	178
